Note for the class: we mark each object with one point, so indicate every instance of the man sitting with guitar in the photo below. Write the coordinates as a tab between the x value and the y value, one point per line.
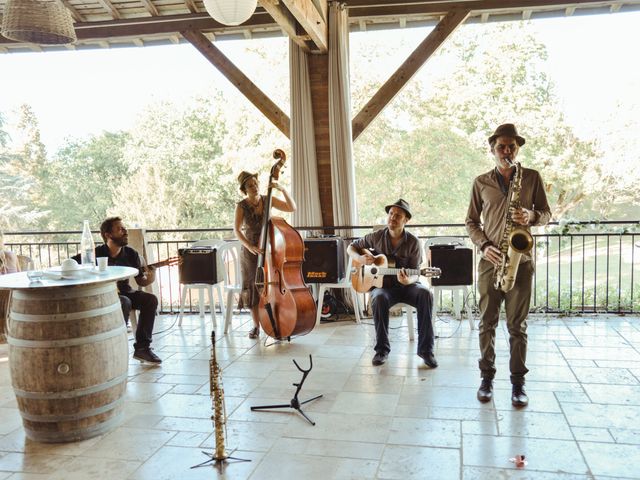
396	243
115	247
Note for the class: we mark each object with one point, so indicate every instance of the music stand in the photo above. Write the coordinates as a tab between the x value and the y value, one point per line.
294	403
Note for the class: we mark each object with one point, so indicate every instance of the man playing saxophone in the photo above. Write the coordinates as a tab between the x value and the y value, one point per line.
505	202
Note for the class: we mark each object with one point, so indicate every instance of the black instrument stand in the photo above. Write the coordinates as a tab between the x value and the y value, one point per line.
295	403
219	463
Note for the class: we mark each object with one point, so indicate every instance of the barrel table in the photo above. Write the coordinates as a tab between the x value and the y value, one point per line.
68	353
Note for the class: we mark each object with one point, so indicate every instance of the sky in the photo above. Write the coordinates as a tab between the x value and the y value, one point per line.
78	93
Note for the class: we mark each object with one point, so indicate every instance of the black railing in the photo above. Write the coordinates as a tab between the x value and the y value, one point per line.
582	267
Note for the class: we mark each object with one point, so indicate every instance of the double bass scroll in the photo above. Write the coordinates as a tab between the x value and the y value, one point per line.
286	306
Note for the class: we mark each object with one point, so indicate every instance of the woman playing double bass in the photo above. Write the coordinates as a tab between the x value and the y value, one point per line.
247	227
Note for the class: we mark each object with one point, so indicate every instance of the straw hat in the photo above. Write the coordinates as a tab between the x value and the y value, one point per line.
244	176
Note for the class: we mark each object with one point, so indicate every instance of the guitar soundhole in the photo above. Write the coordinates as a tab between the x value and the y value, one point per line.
374	270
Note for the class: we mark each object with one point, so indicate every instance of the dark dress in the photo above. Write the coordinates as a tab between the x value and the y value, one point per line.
251	227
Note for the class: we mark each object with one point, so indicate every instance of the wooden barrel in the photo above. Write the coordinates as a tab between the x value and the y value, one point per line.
68	356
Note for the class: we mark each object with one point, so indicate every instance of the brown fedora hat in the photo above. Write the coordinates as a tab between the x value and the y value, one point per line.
244	176
507	130
400	203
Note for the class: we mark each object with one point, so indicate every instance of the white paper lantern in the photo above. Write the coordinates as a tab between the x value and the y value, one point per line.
230	12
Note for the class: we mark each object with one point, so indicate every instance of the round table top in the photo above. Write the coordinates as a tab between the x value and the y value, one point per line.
52	278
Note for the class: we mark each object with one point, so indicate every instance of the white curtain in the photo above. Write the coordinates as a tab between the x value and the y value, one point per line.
304	166
342	169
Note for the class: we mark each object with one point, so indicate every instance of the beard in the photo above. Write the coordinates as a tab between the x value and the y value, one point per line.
120	242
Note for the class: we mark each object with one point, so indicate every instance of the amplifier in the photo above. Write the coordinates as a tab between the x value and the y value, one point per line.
323	260
199	265
456	265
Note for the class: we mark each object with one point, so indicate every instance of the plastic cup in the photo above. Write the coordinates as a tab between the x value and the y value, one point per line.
102	263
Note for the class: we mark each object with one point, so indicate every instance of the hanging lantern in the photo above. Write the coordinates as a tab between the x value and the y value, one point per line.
230	12
44	22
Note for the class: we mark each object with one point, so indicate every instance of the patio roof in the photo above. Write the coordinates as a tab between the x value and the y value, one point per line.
119	23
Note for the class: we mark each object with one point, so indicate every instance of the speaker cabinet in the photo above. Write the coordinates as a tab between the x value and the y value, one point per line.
456	265
199	265
323	260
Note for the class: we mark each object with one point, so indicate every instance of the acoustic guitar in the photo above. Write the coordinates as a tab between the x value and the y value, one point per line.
366	277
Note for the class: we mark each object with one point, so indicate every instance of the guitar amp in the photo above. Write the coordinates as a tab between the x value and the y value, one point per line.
199	265
323	260
456	264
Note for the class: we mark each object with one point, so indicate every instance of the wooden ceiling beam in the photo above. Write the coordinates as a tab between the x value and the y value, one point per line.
408	69
285	20
136	27
364	8
259	99
311	20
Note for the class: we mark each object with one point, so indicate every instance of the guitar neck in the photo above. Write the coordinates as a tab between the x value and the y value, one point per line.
162	263
394	271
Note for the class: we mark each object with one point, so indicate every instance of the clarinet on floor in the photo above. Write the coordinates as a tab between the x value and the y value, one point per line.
219	415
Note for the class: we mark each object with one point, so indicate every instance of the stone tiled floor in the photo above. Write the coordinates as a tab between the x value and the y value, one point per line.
398	421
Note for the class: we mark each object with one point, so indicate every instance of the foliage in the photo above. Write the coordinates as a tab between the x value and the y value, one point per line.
177	167
22	164
491	82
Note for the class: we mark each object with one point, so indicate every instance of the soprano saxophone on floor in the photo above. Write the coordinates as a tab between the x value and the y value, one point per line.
515	240
219	415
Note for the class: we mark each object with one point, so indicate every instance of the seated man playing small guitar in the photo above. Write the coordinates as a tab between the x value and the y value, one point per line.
115	248
395	242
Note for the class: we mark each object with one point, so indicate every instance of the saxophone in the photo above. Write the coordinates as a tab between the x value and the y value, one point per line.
219	416
515	240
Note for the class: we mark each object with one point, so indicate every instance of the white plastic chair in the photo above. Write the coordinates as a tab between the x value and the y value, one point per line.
345	283
456	290
230	256
202	287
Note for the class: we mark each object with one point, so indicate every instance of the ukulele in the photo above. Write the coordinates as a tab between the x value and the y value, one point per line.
366	277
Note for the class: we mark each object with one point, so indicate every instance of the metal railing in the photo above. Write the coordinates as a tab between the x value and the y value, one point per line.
592	269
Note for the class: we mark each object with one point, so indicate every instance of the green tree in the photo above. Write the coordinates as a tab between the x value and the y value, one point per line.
81	180
21	165
434	133
183	162
502	76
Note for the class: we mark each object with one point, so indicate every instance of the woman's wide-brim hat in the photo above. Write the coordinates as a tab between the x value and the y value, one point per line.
507	130
400	203
244	176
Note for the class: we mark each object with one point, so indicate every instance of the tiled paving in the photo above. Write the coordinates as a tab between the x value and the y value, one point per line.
399	421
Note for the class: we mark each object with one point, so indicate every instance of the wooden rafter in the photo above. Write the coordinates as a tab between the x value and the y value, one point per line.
408	69
191	5
74	13
311	20
110	8
259	99
151	8
285	20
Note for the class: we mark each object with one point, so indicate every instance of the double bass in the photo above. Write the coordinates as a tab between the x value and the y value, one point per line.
286	306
